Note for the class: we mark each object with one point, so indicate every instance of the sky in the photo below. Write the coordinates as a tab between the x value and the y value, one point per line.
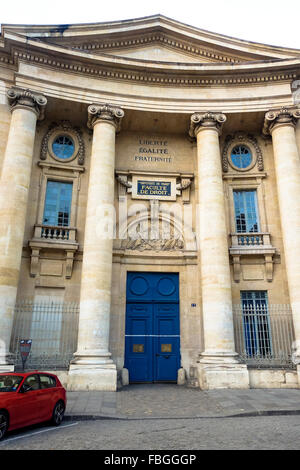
273	22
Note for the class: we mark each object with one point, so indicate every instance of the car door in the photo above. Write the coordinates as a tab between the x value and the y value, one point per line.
26	408
48	395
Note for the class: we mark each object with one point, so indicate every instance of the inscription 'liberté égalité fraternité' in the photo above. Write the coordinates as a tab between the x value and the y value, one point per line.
153	150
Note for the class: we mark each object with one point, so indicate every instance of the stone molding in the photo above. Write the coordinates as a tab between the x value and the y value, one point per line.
173	43
238	139
208	120
65	127
105	112
27	99
280	117
109	73
122	179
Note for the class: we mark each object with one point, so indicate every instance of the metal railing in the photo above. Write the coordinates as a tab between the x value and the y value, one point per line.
264	335
53	329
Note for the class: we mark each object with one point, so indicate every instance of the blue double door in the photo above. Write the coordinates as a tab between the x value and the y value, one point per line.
152	334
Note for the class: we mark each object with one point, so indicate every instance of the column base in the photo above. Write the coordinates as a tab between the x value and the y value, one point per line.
6	362
298	373
102	377
222	371
7	368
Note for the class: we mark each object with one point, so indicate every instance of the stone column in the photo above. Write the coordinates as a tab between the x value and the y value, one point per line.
92	367
26	107
218	364
281	125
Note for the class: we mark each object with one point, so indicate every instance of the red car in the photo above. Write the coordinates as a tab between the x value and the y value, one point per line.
29	398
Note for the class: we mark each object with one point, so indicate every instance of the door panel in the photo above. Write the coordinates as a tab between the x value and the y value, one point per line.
152	287
166	321
152	337
138	342
165	287
139	287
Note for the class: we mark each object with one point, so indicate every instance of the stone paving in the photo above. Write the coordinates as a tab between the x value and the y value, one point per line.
173	401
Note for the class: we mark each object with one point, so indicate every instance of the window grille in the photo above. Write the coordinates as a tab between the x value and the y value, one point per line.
256	323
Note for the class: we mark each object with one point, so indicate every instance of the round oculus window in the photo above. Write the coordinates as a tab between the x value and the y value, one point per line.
241	157
63	147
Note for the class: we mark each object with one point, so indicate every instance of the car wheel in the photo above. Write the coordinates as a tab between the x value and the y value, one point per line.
3	424
58	413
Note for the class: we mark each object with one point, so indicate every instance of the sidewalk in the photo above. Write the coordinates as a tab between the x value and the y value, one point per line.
172	401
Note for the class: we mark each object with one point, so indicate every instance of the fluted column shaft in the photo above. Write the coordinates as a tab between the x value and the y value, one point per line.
281	125
95	295
26	108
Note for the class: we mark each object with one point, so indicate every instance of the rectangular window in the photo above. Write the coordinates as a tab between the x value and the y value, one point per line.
246	212
256	323
58	204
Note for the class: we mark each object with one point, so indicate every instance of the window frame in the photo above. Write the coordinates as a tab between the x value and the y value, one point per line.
257	221
246	168
49	377
50	180
53	141
27	378
58	132
50	174
244	184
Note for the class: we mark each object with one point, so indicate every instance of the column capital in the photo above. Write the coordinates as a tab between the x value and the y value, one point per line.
280	117
105	112
207	120
27	99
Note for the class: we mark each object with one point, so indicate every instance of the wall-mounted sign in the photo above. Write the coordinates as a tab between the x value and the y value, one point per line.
154	187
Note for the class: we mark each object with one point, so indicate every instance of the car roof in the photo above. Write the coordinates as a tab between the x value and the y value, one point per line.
25	374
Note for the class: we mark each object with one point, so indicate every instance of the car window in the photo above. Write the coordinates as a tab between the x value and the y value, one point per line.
47	381
32	382
10	383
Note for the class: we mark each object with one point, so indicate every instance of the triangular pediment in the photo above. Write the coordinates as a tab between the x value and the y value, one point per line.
151	40
159	53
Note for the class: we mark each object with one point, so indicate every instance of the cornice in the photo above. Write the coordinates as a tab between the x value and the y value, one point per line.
154	73
174	77
17	42
152	23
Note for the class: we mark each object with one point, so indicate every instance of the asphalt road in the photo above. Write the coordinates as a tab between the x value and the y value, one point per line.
257	433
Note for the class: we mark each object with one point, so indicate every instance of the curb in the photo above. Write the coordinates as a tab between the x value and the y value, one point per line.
247	414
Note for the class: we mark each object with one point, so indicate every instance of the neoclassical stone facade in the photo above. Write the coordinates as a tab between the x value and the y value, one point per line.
150	178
